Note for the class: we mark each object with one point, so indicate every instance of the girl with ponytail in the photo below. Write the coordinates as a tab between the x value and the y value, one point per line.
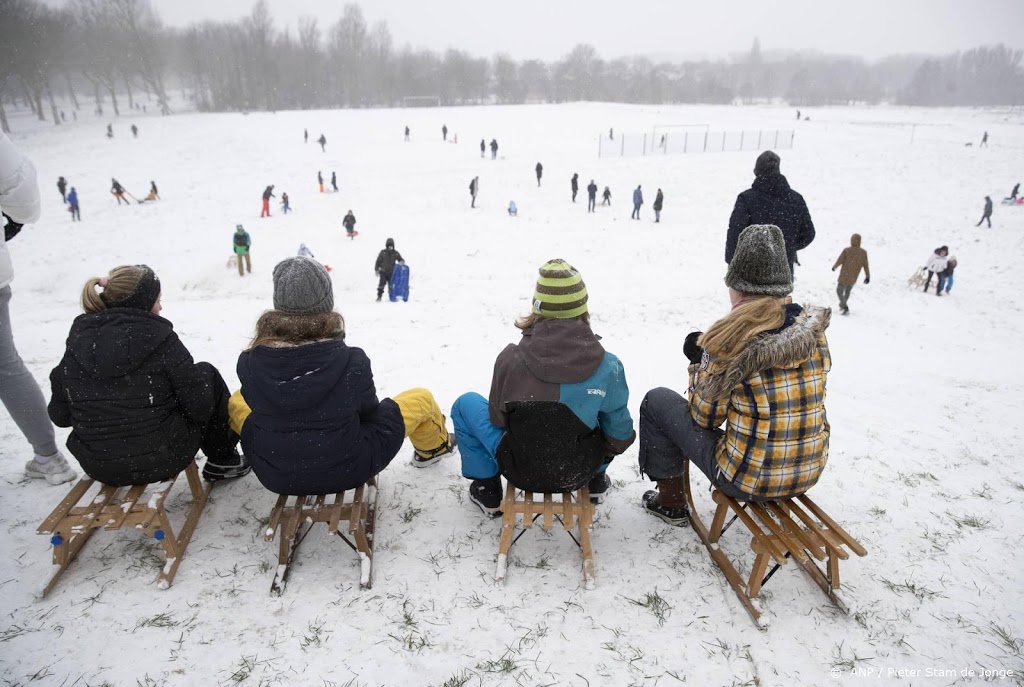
139	408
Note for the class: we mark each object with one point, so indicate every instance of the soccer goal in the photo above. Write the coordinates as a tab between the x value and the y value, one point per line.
677	138
421	101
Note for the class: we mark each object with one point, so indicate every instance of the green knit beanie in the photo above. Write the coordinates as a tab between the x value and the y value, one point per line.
760	265
560	293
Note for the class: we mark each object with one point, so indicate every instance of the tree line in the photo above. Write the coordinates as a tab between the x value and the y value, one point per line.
117	50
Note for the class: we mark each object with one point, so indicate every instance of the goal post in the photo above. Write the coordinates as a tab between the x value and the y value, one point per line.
676	136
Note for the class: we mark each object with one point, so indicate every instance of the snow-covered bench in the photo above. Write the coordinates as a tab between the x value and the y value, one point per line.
294	516
789	528
85	510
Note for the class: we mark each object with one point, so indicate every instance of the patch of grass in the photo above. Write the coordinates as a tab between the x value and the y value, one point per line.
410	514
911	587
158	620
458	680
1012	645
655	603
973	521
413	642
876	511
847	663
503	665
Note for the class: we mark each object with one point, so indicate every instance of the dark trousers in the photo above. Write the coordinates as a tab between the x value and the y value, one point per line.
574	192
987	217
941	281
591	203
636	211
843	291
669	436
218	441
385	277
76	213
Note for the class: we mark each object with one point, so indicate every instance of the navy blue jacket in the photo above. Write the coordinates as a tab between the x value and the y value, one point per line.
316	425
770	200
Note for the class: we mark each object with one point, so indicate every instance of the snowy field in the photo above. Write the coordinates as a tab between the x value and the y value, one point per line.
924	398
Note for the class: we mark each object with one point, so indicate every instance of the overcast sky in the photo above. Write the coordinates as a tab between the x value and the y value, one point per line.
548	29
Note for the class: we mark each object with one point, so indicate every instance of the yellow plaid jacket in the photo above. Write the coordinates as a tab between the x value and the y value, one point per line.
771	397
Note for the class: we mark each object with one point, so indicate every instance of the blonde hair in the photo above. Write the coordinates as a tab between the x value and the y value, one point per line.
754	315
119	284
526	321
279	327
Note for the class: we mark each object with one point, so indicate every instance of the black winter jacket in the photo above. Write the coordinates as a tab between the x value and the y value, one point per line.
769	200
130	391
386	260
316	425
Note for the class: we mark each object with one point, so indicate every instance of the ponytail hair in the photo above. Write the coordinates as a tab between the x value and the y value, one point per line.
752	316
125	286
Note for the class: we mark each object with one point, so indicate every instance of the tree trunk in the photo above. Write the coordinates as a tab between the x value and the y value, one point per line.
53	104
131	99
37	94
4	127
113	98
98	97
71	90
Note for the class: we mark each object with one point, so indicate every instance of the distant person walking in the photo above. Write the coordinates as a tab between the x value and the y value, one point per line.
659	201
984	140
73	208
62	186
323	143
483	147
444	132
474	188
852	260
110	130
591	196
320	180
349	222
986	214
305	135
268	193
241	243
334	181
540	170
611	134
575	184
118	190
638	200
770	200
135	131
285	204
494	148
407	134
606	196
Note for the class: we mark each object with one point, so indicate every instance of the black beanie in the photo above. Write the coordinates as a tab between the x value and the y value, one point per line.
390	243
143	297
767	163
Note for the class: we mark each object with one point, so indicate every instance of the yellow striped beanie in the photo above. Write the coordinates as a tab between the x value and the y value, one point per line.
560	293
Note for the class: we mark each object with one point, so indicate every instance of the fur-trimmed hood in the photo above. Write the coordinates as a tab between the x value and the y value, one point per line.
784	348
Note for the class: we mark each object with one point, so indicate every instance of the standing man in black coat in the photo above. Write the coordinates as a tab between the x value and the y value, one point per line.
659	201
575	185
591	196
770	200
539	169
986	215
385	265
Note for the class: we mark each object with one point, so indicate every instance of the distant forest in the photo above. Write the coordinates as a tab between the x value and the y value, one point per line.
117	51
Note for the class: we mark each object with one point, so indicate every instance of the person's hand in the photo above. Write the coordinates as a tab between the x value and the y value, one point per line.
867	280
691	349
11	229
833	269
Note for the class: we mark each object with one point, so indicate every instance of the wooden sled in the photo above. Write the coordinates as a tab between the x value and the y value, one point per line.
789	528
918	279
294	517
573	510
141	506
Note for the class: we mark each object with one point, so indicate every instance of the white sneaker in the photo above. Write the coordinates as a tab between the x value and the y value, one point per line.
55	470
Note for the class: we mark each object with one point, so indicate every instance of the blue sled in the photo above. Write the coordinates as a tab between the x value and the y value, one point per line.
398	287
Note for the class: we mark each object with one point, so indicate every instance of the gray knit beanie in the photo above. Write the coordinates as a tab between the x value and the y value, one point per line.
760	265
302	287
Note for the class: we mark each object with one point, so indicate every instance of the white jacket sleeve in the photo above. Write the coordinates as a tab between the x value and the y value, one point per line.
19	190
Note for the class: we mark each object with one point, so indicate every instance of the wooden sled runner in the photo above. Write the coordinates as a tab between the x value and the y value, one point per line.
789	528
294	517
141	506
574	510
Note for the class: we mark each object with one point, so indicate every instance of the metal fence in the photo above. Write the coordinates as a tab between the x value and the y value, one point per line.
678	143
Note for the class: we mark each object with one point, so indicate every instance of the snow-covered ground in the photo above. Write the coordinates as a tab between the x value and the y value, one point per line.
924	398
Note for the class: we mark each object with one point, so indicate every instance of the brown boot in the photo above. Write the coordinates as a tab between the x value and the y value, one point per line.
668	502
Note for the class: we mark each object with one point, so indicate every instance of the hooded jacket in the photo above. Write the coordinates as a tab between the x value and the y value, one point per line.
771	397
770	200
852	260
936	262
132	395
19	197
316	425
386	260
564	361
